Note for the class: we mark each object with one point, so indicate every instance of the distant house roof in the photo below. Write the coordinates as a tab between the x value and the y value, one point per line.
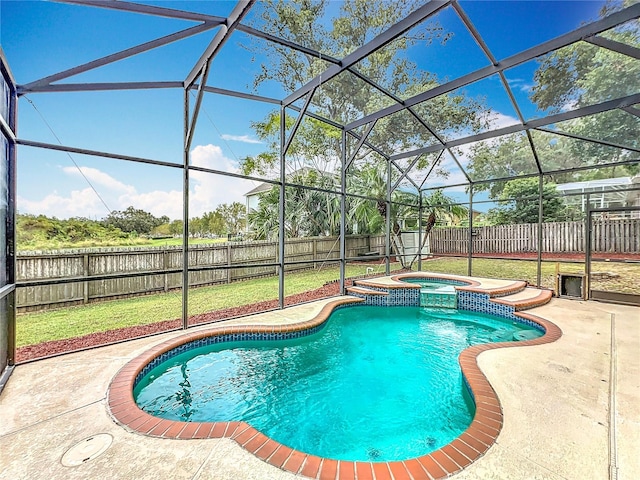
591	185
263	187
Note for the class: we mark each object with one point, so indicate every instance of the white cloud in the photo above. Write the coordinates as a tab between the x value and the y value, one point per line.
157	202
500	120
521	84
99	178
456	177
78	203
207	191
239	138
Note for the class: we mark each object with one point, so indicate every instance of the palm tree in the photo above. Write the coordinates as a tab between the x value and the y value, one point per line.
310	212
371	180
444	208
264	220
441	209
307	211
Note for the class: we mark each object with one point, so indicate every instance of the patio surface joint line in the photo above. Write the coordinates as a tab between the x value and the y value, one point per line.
40	422
198	472
613	364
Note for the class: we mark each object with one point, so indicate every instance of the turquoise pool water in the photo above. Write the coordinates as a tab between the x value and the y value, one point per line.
376	384
427	284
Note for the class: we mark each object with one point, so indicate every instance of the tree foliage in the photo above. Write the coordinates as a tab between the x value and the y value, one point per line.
313	159
41	230
572	77
308	210
134	220
314	212
346	97
583	74
225	219
444	208
518	203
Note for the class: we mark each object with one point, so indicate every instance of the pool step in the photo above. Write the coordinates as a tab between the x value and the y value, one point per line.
515	287
516	293
359	290
530	297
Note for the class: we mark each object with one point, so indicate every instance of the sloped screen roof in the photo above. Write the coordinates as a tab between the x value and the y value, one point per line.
451	92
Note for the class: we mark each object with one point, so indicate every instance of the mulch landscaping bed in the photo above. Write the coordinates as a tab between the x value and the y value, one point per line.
68	345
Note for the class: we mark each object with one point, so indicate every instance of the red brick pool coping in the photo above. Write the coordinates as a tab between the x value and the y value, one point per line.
452	458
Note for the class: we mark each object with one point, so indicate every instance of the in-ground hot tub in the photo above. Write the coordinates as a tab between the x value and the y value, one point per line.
436	292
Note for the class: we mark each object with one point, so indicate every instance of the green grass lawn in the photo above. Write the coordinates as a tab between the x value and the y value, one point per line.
37	327
618	277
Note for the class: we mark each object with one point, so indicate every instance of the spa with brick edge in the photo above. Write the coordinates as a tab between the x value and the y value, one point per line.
452	458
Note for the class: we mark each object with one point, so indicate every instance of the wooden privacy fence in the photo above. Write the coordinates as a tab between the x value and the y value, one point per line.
160	267
619	236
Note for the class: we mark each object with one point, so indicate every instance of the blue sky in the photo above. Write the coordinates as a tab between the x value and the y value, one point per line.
41	38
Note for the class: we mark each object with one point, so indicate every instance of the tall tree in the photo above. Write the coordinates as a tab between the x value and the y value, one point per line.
444	208
346	97
583	74
234	216
518	203
176	227
214	223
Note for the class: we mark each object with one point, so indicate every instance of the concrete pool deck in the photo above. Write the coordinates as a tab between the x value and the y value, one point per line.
555	399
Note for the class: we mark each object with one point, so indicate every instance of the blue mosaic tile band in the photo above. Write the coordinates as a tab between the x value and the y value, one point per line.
376	300
396	297
215	339
404	297
480	302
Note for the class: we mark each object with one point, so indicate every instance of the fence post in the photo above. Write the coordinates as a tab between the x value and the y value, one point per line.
470	236
165	266
314	250
228	262
85	273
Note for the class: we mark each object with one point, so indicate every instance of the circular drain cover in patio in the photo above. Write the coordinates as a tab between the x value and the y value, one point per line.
86	450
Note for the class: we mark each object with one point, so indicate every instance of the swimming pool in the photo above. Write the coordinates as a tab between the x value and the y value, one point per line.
374	384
